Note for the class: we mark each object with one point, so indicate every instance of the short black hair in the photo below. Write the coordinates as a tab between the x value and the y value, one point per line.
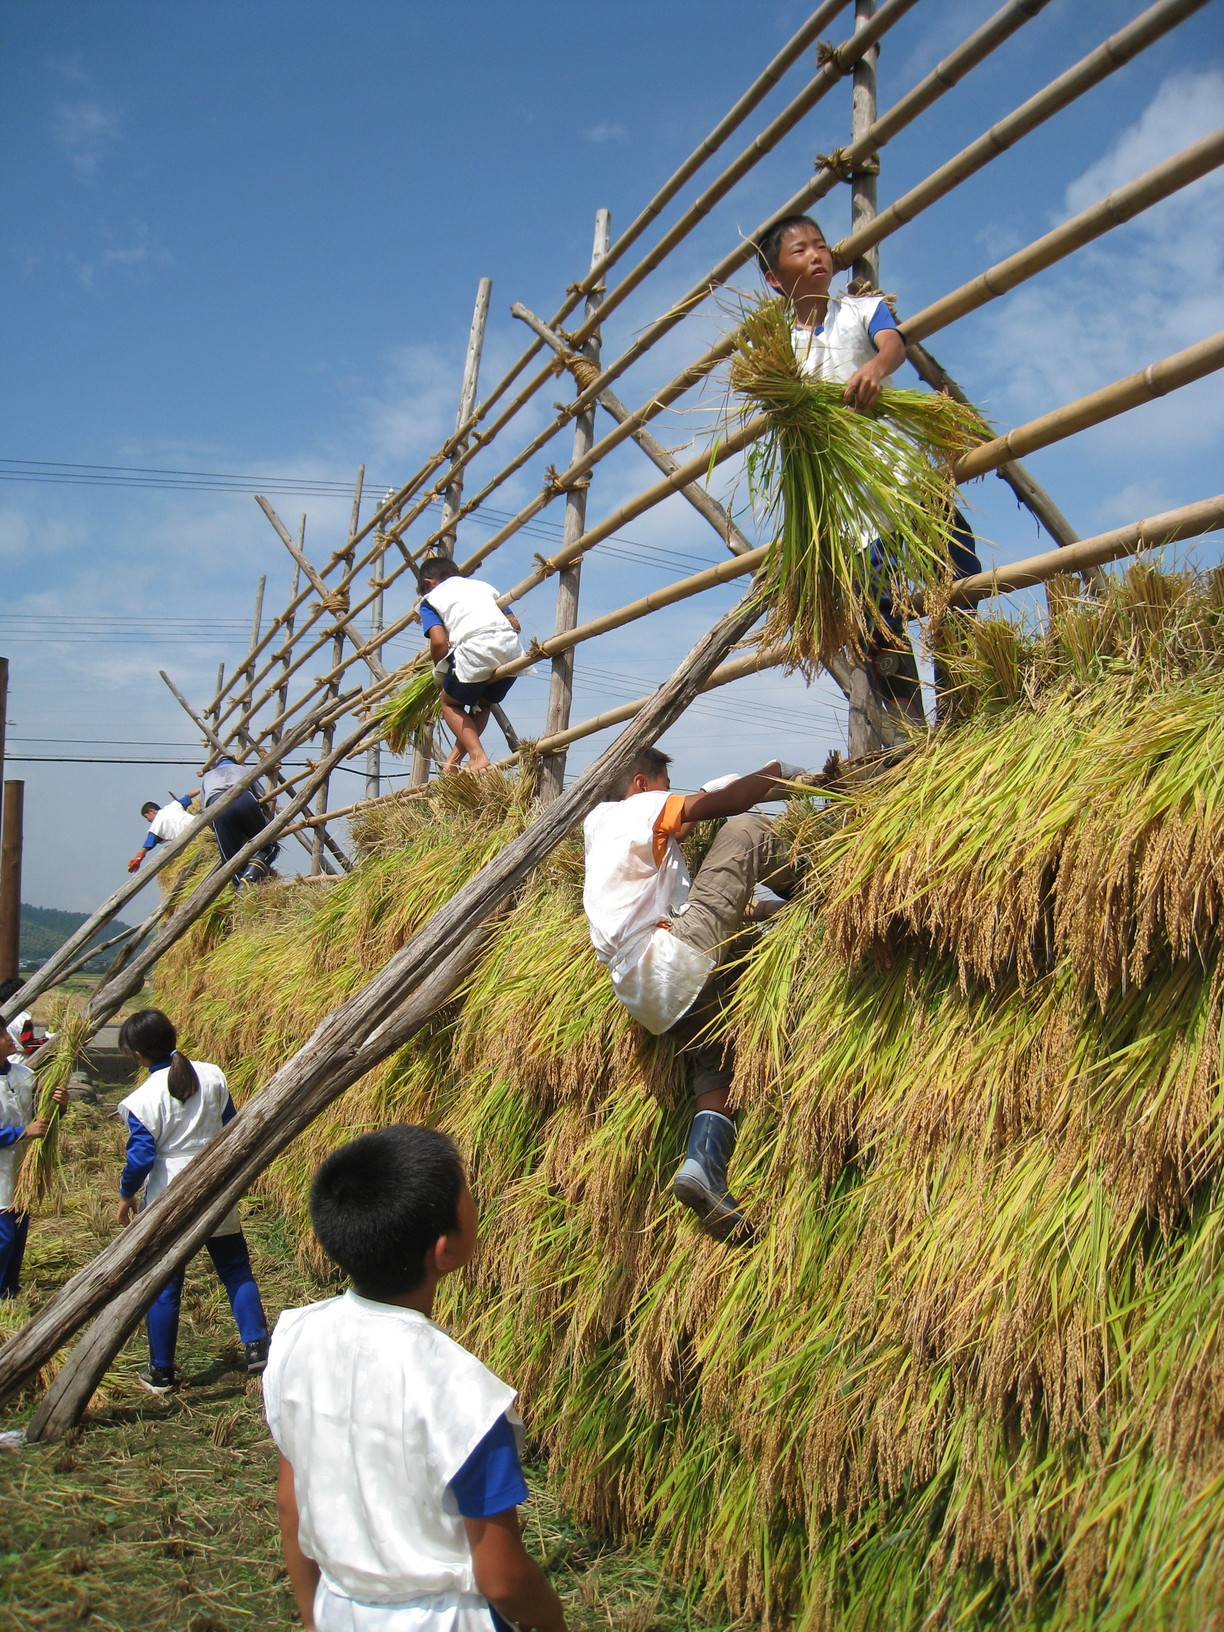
10	987
769	244
438	567
649	762
379	1203
150	804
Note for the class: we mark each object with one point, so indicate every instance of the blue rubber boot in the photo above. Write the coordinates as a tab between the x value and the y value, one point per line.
701	1179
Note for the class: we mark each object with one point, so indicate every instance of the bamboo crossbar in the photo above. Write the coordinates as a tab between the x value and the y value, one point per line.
1157	380
1117	207
765	81
1114	53
942	78
1153	532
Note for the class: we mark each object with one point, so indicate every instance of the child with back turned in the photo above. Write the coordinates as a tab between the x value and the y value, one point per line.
399	1475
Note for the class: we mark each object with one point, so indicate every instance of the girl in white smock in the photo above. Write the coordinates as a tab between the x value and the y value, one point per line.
170	1118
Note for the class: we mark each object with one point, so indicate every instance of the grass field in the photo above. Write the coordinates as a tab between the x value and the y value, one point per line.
158	1513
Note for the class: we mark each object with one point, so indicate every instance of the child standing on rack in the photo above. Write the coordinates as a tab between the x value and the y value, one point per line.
18	1126
399	1477
469	637
853	339
179	1107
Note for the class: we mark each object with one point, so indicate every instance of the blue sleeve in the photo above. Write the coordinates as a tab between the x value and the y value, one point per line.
150	840
881	318
429	618
185	800
141	1154
10	1135
229	1113
491	1480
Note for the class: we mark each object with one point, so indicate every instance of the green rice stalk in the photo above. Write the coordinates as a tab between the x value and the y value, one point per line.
830	480
42	1170
399	717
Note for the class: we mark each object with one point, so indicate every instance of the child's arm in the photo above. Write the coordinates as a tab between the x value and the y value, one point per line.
303	1571
512	621
863	387
439	645
509	1577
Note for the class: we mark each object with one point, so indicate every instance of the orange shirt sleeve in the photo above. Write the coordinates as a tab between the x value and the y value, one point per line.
667	825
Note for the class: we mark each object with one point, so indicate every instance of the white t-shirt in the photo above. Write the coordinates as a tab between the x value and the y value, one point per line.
843	343
627	895
376	1409
180	1130
480	634
170	821
16	1109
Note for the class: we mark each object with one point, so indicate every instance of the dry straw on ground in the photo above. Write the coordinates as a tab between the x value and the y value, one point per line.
970	1373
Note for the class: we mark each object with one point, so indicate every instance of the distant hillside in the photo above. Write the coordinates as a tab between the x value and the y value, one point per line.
45	929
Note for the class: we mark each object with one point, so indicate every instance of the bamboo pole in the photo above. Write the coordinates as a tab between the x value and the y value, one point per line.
10	879
942	78
561	681
1114	53
256	620
790	53
165	1234
317	863
453	493
374	752
1157	380
52	970
1121	205
453	496
282	694
1153	532
68	1396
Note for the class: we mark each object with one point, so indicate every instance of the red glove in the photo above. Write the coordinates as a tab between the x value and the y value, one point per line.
134	864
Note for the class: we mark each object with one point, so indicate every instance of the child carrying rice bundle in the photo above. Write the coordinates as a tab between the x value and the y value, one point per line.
858	473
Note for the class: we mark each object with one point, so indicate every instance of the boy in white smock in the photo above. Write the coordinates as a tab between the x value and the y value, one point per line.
18	1126
663	936
853	339
469	638
399	1477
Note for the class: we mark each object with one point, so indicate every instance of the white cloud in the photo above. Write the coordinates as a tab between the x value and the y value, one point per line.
137	251
1187	107
85	130
14	533
607	130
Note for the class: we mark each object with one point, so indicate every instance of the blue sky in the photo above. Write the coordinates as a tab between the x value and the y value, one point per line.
246	238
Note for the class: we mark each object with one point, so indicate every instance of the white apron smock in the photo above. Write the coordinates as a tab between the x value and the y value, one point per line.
180	1131
480	634
376	1410
628	897
16	1109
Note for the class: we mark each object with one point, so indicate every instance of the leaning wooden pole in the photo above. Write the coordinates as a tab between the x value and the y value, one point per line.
561	681
317	862
166	1234
10	879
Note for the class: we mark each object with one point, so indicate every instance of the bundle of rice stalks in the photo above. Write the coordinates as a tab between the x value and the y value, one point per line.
42	1170
833	480
400	716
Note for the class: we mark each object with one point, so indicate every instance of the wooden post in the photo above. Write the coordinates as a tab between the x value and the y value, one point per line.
862	117
10	880
282	696
4	666
256	620
329	730
422	753
373	781
561	685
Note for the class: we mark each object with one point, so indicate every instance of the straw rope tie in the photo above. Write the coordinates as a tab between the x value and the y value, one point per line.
842	163
336	601
829	56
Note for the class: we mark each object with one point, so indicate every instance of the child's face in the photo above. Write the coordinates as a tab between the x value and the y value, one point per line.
805	264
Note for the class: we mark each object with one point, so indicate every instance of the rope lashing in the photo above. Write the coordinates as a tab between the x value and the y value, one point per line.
844	167
829	56
336	601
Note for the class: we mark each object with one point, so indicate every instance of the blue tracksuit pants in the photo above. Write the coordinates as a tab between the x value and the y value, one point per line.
232	1262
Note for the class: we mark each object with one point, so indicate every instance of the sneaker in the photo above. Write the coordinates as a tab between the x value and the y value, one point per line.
157	1379
256	1356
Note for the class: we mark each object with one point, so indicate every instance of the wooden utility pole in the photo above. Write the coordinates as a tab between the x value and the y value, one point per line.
453	499
10	880
561	685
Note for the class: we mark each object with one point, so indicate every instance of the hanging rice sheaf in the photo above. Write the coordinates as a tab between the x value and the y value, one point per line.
971	1373
831	480
417	703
